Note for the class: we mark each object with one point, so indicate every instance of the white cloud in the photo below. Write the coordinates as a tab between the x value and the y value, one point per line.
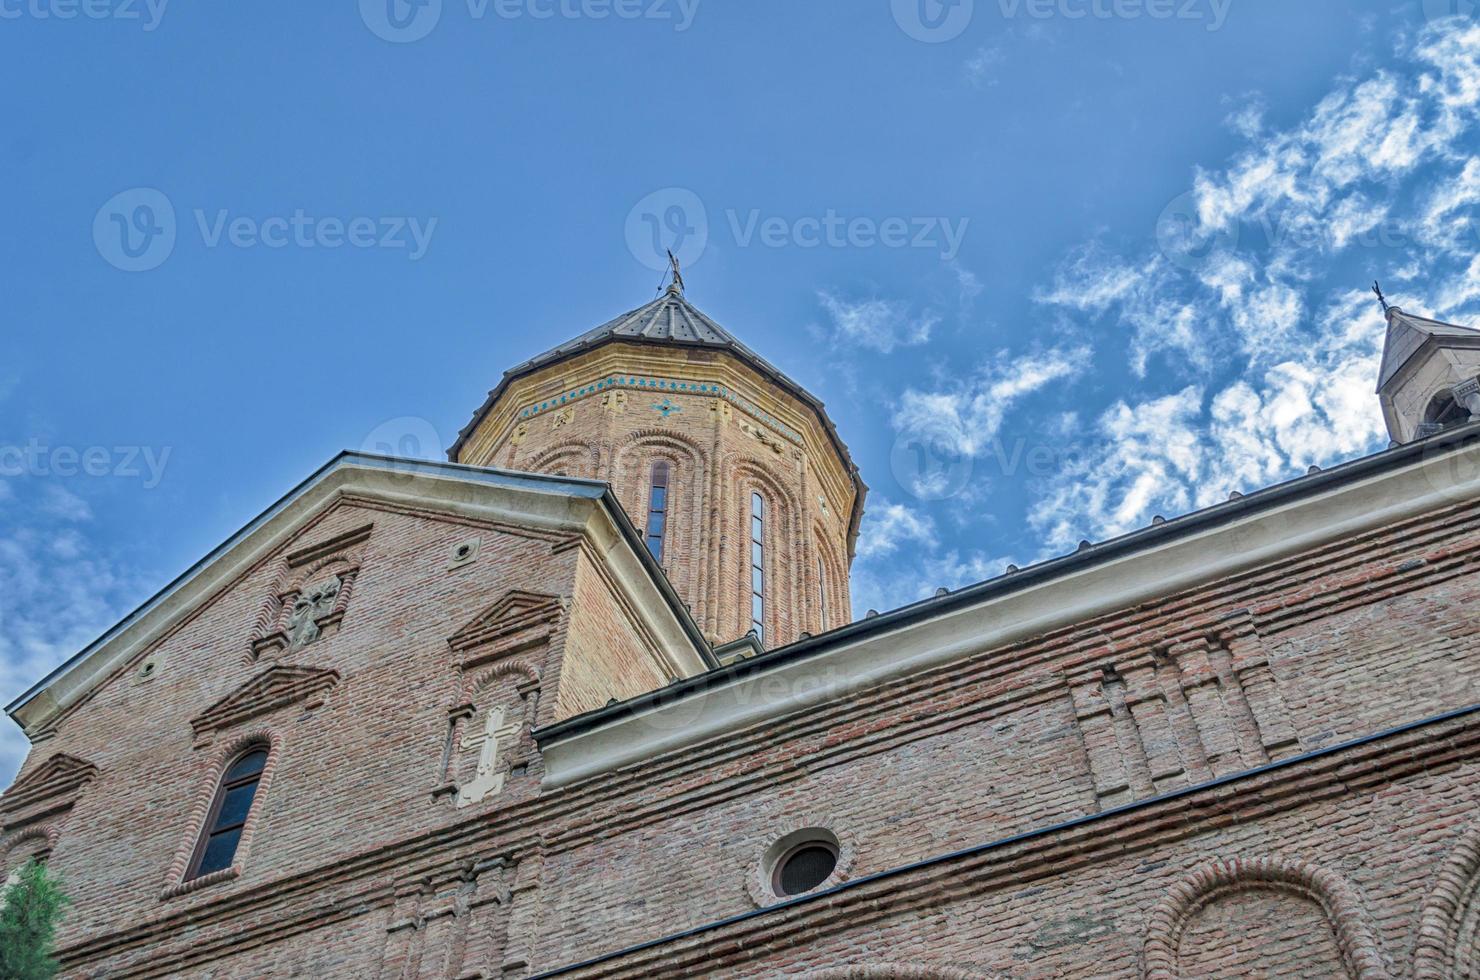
963	418
877	324
1247	116
59	502
1178	452
887	526
58	592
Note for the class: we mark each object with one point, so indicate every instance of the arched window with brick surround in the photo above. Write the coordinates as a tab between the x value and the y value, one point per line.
228	814
657	517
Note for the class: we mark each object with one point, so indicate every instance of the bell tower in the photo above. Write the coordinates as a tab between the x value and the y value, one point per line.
1430	377
734	474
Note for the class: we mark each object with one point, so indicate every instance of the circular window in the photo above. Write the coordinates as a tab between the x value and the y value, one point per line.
806	859
803	868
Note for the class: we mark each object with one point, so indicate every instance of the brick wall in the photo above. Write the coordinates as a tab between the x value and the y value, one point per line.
719	452
1293	864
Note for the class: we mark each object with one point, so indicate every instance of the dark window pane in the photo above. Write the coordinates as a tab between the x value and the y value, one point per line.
655	545
248	765
660	473
660	498
806	869
655	524
220	849
235	806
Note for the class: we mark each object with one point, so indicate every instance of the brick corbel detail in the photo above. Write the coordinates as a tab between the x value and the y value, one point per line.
1327	889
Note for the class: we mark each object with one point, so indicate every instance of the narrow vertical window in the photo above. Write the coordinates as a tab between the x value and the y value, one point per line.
822	591
217	848
758	566
657	522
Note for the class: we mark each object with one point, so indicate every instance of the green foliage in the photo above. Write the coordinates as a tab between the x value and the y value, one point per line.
28	924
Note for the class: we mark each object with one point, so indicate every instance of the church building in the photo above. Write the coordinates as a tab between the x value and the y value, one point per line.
589	700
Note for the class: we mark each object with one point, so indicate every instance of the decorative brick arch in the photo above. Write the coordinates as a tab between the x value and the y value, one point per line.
571	450
208	781
839	609
1447	929
689	482
46	833
1337	899
504	669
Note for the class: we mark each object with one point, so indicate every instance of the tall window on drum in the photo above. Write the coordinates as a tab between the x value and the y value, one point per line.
758	566
657	522
822	592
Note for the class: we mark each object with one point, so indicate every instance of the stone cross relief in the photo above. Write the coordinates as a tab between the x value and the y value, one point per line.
312	604
489	780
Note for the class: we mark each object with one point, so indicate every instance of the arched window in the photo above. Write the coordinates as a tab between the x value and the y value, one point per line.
223	831
657	520
1444	411
758	566
822	592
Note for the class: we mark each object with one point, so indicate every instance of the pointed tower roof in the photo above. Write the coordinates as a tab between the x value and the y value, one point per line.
1407	333
669	320
672	321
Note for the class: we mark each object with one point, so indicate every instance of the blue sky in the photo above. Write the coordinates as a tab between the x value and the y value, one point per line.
1056	266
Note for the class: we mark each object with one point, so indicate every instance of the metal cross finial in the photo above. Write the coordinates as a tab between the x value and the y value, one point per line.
1377	288
677	272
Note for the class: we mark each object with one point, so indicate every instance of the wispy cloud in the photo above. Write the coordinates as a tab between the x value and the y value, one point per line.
963	415
1254	353
877	324
982	67
59	590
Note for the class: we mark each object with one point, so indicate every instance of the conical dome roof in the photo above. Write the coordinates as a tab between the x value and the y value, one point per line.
669	320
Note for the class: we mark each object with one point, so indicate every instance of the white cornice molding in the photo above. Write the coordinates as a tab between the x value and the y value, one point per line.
541	503
708	711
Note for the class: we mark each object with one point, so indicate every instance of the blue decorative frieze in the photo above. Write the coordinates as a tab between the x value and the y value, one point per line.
703	389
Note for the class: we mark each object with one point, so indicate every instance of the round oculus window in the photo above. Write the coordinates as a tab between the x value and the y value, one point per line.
803	868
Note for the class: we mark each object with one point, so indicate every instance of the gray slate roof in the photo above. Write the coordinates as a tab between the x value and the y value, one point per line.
1406	333
670	319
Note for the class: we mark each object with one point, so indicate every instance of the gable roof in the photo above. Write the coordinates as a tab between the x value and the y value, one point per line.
672	321
1407	333
553	502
